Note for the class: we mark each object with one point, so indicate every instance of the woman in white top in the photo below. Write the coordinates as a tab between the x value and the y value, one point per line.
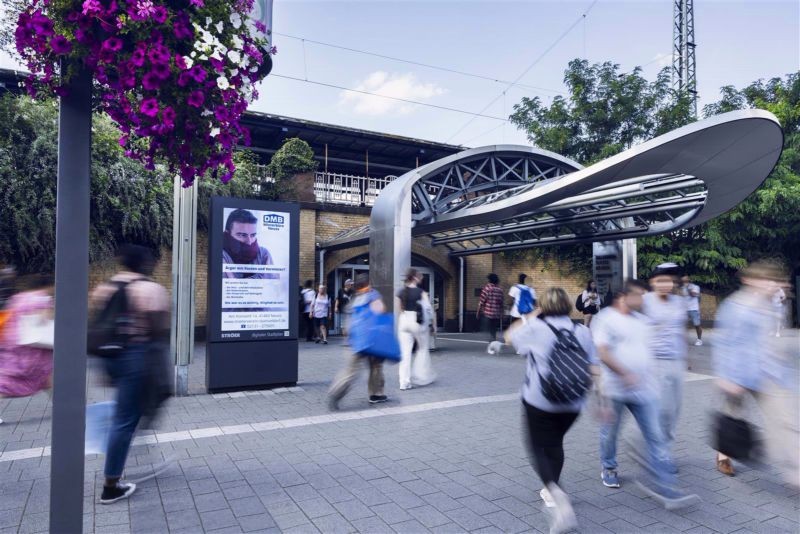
591	302
778	297
413	325
320	312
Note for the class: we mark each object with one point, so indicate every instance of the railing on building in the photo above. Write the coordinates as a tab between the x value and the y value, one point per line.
335	188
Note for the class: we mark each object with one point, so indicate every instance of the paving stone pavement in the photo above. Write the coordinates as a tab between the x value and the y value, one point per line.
444	458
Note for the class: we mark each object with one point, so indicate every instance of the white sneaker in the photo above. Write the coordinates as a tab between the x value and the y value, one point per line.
564	519
698	343
547	498
494	347
1	421
777	334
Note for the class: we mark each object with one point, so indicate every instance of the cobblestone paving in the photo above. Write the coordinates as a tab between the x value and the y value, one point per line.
445	458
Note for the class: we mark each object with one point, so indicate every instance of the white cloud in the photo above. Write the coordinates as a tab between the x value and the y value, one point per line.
405	86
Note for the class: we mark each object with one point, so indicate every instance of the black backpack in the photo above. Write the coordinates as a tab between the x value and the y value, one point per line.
579	303
106	335
569	378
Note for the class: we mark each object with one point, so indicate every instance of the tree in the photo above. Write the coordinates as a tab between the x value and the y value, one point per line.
128	203
608	111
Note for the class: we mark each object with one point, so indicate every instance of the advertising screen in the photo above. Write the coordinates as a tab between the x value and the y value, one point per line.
255	273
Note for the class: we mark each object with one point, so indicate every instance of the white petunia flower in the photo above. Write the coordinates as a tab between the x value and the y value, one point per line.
189	61
236	20
206	113
203	57
237	42
214	132
234	73
220	26
193	54
208	21
235	57
223	83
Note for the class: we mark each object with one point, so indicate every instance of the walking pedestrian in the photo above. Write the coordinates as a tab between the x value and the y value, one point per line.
308	300
364	296
778	299
691	292
320	313
141	328
25	369
749	362
413	329
524	298
666	313
560	364
591	302
628	383
342	306
490	307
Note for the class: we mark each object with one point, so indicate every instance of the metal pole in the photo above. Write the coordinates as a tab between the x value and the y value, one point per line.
322	267
461	294
326	158
184	255
71	304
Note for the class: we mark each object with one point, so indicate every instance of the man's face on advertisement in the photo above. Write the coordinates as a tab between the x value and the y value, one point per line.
244	233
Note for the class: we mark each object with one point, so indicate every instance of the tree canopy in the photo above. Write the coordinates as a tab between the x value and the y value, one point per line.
608	111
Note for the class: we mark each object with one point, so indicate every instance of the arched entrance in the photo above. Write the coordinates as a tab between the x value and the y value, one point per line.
433	280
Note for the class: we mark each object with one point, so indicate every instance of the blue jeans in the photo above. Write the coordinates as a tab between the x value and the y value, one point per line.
127	372
646	415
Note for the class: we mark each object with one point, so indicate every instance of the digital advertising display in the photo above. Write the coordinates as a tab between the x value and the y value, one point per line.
252	315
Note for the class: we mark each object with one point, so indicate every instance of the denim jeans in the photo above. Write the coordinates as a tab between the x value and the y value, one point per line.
646	415
127	372
671	375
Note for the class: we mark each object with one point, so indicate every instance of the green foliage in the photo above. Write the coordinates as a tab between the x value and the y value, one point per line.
128	204
293	157
573	260
608	111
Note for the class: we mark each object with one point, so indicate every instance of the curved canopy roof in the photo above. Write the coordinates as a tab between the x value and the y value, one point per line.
505	196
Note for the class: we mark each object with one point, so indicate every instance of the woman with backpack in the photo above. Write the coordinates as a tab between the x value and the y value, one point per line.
561	365
415	318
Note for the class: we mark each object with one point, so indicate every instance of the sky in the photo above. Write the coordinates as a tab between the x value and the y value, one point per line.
737	43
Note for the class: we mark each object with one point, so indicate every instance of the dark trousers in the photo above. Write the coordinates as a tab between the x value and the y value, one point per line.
491	326
127	372
309	324
545	441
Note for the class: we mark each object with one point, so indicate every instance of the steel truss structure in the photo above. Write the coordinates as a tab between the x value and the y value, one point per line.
684	75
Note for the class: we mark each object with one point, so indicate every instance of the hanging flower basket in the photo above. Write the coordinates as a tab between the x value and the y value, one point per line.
175	75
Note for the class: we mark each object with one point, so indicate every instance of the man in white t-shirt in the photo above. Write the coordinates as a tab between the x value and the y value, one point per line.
516	292
691	292
621	336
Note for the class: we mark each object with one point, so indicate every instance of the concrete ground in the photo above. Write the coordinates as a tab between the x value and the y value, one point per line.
445	458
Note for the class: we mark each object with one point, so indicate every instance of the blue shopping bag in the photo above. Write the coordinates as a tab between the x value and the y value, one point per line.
98	425
372	334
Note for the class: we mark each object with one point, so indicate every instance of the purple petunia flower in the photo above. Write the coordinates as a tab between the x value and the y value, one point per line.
137	58
160	14
149	107
161	70
60	45
112	44
92	7
168	116
261	27
41	24
197	3
198	74
159	54
151	81
196	99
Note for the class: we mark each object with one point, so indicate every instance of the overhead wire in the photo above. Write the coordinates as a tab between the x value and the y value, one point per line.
528	69
406	100
418	63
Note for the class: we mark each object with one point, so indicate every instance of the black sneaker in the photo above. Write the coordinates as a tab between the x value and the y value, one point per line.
375	399
117	493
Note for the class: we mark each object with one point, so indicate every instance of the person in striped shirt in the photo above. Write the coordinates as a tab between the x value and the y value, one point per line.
490	307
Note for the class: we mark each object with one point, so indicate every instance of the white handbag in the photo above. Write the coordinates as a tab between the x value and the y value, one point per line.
36	330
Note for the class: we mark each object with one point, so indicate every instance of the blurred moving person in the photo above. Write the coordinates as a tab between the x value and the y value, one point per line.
621	336
748	362
691	292
308	300
364	296
490	307
140	310
524	298
778	300
414	328
26	369
561	362
591	301
321	313
666	313
342	307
